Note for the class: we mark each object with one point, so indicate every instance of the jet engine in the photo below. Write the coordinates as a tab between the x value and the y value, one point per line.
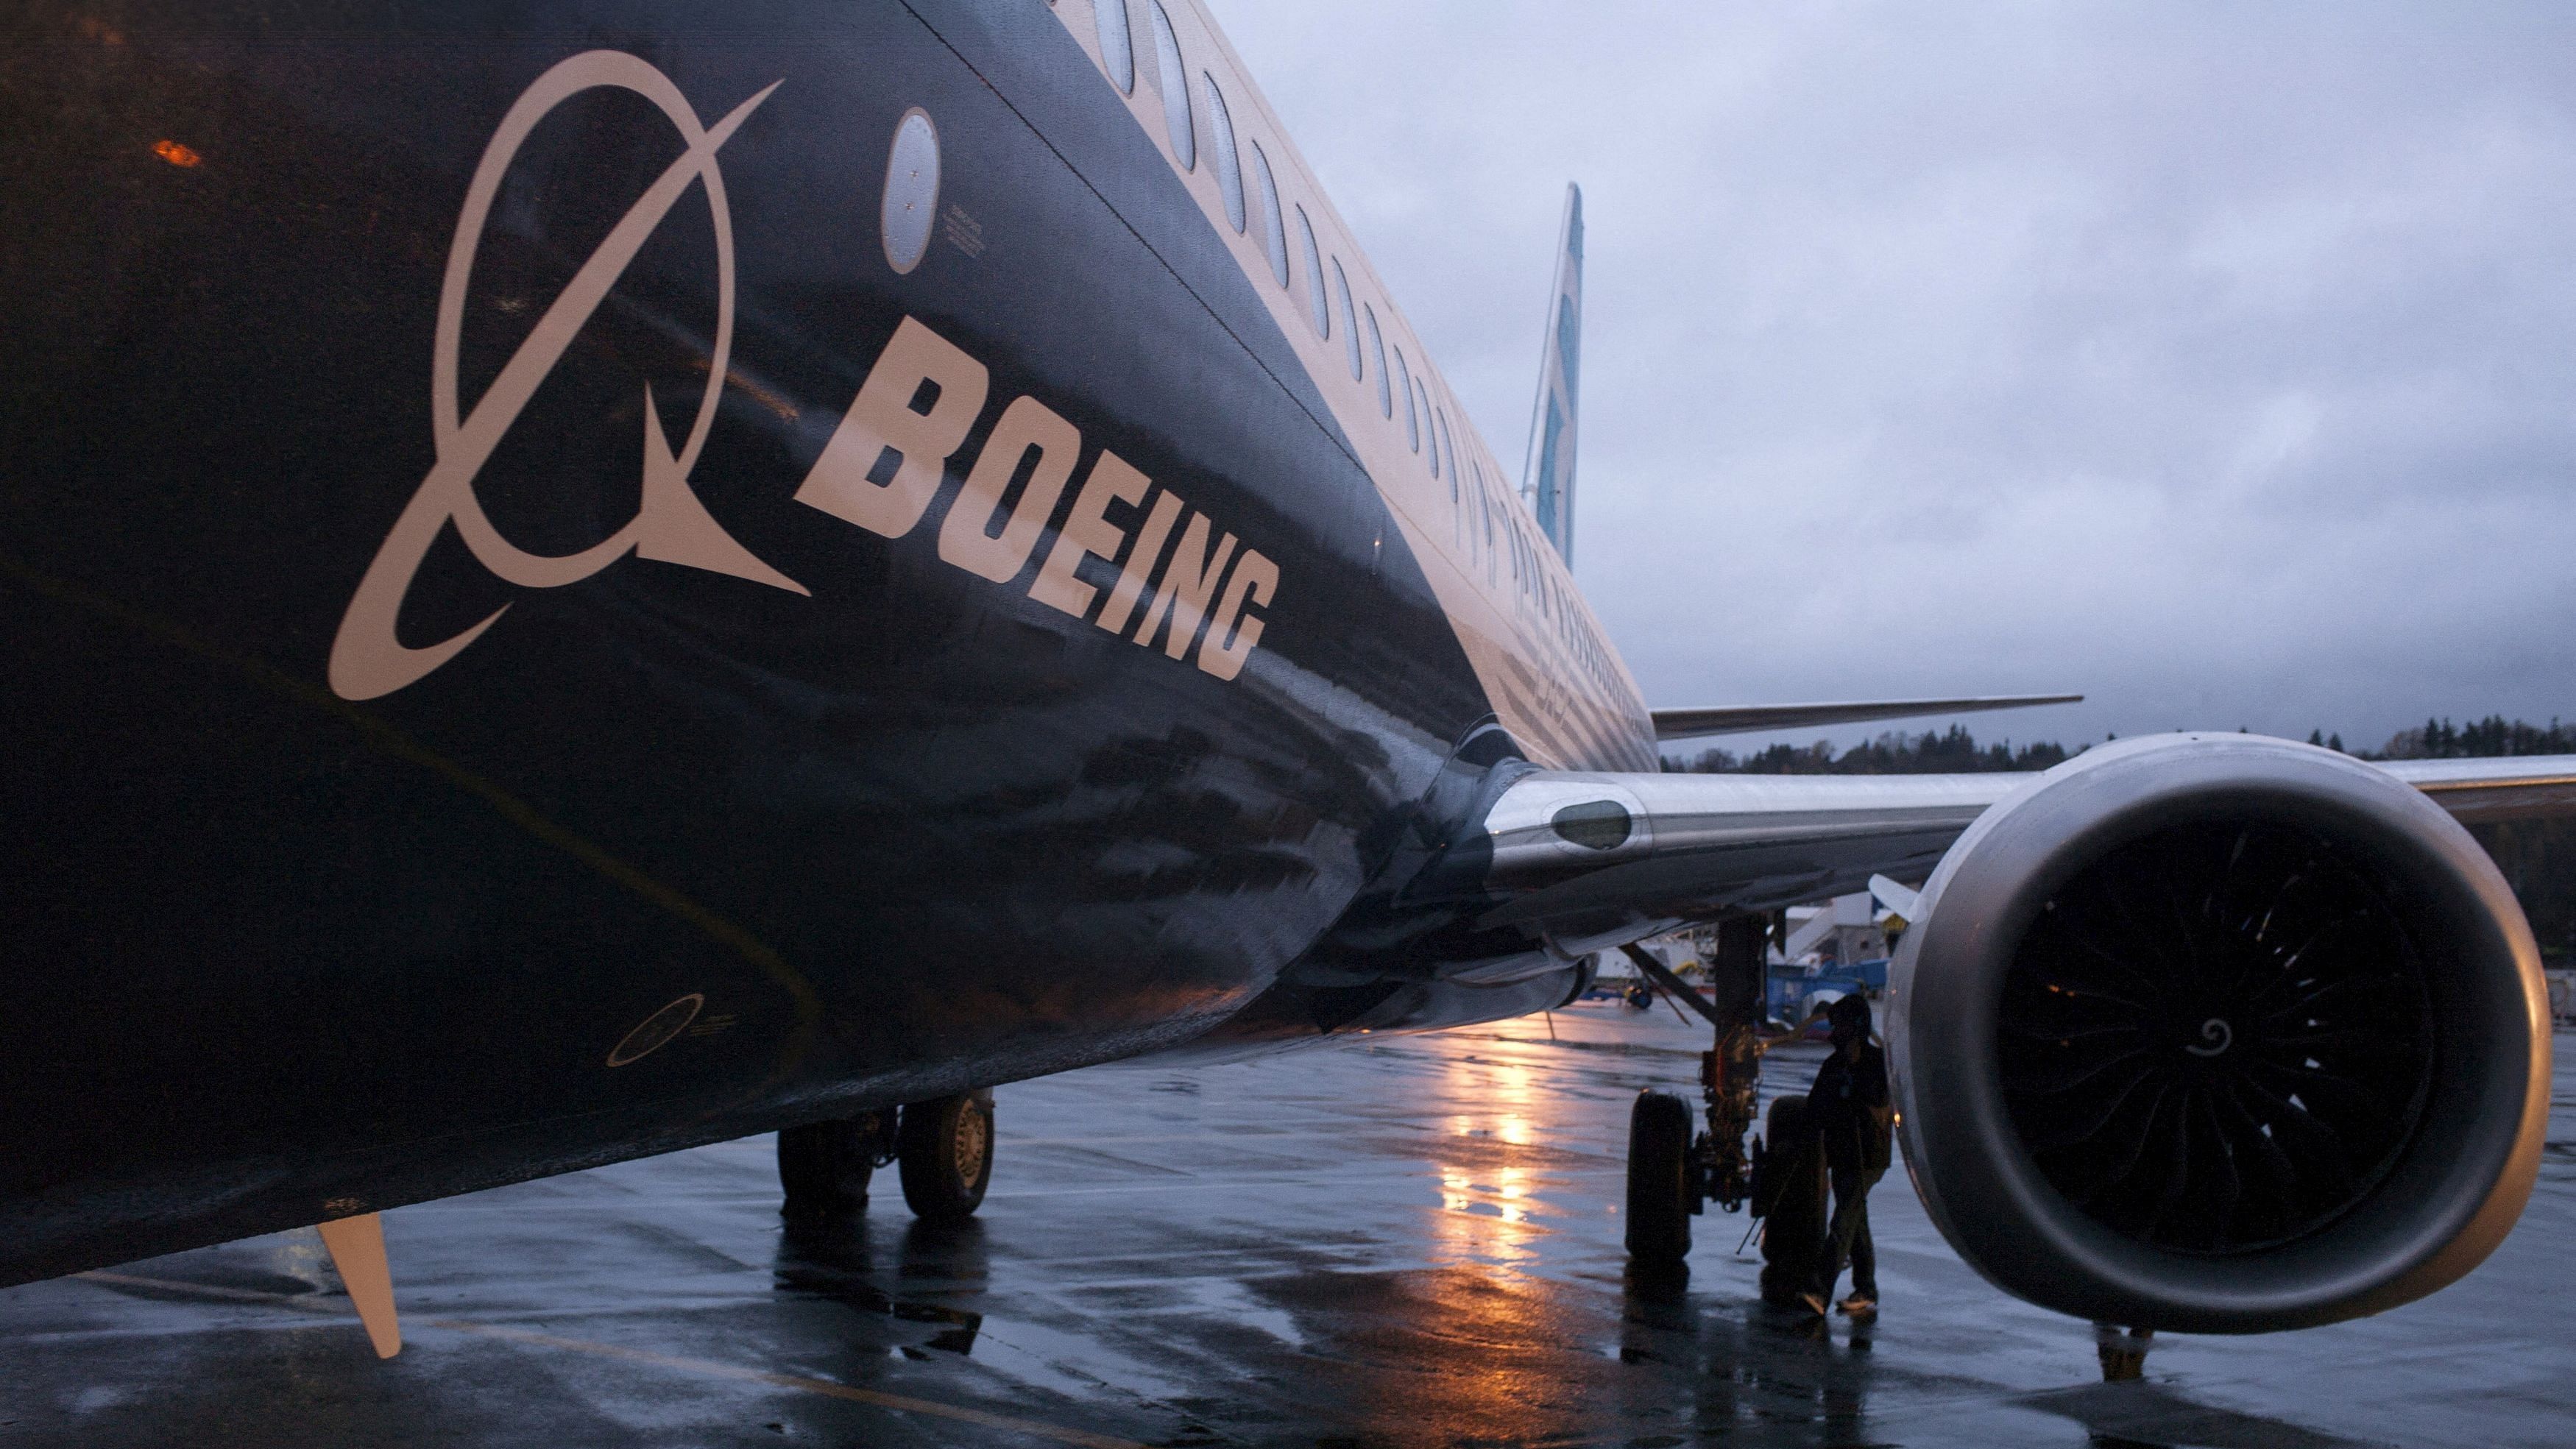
2220	1034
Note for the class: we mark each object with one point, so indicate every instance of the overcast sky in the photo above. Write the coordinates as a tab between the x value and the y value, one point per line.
2218	362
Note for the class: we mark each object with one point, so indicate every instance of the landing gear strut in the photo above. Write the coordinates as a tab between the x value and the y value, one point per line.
2123	1352
1671	1174
945	1148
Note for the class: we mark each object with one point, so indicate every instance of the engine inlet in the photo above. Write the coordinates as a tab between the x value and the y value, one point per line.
2218	1039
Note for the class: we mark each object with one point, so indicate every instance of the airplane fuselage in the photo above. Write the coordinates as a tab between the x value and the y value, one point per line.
590	581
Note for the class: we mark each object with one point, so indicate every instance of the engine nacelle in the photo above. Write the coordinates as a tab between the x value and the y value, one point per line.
2221	1034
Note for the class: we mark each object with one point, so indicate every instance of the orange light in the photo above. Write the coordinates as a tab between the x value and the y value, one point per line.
175	154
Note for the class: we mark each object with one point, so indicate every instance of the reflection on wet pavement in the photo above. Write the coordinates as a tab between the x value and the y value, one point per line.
831	1260
1404	1241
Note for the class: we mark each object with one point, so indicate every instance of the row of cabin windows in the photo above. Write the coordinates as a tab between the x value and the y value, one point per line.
1118	51
1426	426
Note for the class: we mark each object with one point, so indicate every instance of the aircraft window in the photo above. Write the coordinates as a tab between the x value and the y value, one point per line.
1350	324
1486	508
1229	165
1175	84
1440	449
1117	47
1274	237
1377	344
1404	385
1316	316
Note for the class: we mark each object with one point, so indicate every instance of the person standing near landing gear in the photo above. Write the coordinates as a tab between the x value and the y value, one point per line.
1850	1108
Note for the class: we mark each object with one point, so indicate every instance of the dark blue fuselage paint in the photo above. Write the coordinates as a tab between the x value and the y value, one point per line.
277	955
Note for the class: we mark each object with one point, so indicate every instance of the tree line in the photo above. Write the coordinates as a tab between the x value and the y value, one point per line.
2439	739
2537	857
1950	752
1955	751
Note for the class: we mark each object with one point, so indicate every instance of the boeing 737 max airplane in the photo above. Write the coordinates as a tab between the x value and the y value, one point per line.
589	577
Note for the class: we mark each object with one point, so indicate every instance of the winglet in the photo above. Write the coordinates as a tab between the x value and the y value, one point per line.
358	1250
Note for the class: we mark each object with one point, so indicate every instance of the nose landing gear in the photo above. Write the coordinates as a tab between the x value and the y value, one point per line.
944	1148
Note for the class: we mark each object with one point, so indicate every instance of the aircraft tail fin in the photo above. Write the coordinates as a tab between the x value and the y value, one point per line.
1547	477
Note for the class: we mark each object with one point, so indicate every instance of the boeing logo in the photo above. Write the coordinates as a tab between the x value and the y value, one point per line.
881	470
670	524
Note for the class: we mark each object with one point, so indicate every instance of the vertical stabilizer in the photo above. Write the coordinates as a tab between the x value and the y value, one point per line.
1547	478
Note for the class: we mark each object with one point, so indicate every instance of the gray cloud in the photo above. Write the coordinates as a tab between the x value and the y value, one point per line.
2216	361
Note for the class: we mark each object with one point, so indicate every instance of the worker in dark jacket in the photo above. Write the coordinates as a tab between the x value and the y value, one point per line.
1850	1106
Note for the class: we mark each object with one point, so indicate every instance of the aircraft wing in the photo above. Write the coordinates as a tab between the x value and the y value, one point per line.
1735	719
2515	788
1585	856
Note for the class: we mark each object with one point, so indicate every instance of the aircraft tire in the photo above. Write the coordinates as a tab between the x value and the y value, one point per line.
1659	1186
946	1152
824	1167
1792	1203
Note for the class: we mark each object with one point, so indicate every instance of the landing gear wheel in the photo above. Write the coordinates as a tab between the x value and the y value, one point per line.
825	1166
1792	1203
947	1156
1659	1185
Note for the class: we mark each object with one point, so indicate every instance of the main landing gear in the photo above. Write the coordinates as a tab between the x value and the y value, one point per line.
1672	1174
944	1147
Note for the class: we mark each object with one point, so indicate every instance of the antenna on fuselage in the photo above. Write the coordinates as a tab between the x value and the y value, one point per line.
1547	475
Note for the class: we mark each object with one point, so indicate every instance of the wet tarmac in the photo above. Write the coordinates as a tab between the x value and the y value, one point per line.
1409	1241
